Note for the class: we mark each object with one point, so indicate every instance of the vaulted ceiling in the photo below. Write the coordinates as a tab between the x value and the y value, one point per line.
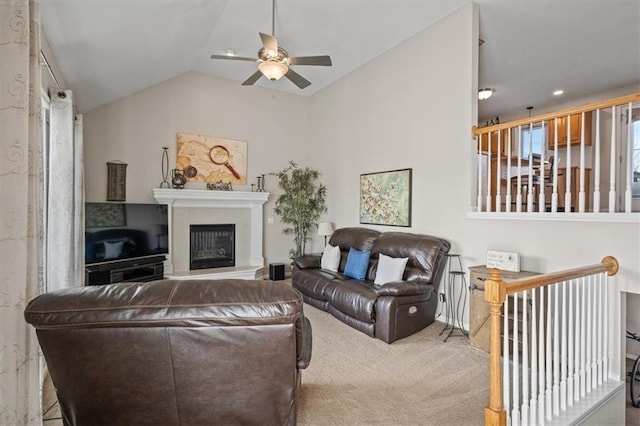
108	49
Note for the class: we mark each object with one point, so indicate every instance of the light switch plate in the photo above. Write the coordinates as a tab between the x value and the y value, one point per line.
504	260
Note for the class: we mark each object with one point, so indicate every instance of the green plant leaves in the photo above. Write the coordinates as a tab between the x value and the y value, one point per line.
301	203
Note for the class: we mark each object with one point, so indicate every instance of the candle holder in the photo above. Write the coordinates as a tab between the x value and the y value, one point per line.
165	167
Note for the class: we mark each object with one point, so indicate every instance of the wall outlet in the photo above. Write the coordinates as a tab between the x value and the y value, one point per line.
505	260
270	220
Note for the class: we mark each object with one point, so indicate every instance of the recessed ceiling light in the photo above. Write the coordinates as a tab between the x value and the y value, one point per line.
558	92
485	93
230	52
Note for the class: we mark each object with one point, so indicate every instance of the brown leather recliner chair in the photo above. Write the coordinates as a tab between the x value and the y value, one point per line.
174	352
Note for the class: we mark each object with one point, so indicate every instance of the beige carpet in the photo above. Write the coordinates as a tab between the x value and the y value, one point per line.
354	379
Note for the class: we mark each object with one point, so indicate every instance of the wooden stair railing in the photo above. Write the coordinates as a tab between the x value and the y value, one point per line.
572	172
496	292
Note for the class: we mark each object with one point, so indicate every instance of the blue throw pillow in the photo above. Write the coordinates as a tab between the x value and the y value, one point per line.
357	264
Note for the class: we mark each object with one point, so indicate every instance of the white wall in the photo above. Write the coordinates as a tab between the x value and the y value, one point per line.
134	130
397	112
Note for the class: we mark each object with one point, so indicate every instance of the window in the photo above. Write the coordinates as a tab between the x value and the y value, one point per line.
533	141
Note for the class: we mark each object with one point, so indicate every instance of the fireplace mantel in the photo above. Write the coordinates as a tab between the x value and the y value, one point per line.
198	198
206	198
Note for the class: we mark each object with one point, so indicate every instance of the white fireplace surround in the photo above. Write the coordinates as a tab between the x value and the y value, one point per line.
197	198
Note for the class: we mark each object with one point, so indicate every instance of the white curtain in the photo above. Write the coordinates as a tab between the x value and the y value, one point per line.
65	218
21	209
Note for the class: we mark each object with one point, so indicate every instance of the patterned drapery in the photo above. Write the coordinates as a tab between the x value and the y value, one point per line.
21	209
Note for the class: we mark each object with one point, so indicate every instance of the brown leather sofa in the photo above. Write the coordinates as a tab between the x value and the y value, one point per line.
389	312
174	352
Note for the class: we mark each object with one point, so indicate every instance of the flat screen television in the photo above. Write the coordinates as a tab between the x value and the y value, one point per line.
121	231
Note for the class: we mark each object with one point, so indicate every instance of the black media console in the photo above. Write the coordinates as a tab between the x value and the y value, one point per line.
141	269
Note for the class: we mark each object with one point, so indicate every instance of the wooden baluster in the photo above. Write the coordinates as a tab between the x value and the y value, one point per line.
556	161
589	334
495	295
499	174
506	382
581	194
489	182
576	373
595	331
556	352
601	327
519	178
525	359
509	196
479	202
542	359
605	337
612	164
629	174
583	328
542	202
548	397
563	351
530	171
567	172
570	378
596	176
533	404
515	412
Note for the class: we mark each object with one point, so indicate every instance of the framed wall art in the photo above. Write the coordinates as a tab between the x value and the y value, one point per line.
116	181
212	159
385	198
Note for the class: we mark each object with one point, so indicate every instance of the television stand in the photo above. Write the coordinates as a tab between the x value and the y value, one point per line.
130	270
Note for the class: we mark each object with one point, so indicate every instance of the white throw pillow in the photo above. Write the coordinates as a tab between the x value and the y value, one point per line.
330	258
390	269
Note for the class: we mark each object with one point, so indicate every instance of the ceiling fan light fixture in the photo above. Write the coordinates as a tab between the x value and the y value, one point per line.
273	70
485	93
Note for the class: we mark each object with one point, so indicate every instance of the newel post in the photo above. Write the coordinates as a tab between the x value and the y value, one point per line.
494	294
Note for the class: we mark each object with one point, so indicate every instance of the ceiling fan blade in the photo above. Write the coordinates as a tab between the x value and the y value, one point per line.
311	60
269	42
254	77
233	58
297	79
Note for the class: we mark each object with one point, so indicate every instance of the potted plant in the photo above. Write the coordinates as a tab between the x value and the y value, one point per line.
301	203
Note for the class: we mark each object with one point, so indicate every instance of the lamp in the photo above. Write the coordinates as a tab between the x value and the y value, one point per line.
324	229
273	70
485	93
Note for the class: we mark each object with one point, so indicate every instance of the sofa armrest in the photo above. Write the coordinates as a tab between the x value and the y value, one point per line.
303	342
307	261
405	288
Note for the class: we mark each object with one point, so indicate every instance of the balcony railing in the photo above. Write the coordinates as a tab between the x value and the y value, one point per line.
584	159
549	359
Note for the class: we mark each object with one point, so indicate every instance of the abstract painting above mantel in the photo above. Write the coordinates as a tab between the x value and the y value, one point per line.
211	159
385	198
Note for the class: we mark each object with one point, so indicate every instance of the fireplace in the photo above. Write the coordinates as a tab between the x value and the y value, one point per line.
212	246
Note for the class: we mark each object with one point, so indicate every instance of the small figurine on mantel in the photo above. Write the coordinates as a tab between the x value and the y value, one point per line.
178	180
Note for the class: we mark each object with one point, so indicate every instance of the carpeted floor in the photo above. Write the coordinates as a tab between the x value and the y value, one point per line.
356	380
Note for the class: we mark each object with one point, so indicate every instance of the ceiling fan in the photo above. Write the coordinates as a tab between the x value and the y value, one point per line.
274	62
